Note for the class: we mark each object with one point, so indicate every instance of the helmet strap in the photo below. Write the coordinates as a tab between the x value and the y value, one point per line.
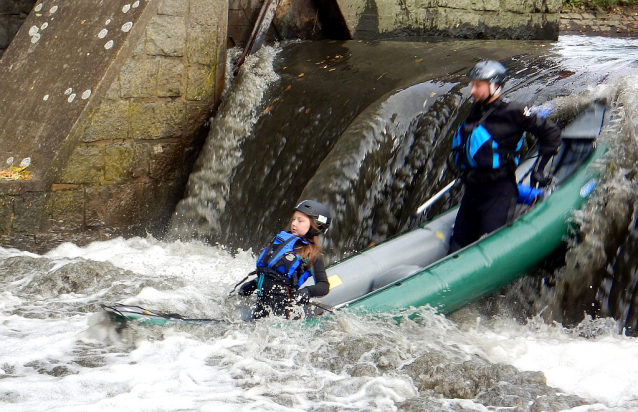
494	89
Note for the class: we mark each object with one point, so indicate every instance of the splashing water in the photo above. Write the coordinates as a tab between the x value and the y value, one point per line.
198	214
60	353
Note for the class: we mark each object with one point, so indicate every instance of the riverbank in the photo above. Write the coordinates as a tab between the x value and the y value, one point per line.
619	21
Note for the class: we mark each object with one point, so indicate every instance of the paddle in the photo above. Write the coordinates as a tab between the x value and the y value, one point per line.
436	197
127	312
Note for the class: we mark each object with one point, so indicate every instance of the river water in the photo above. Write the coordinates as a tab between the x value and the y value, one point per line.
60	353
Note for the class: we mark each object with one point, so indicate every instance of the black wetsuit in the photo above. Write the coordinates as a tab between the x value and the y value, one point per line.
490	194
279	299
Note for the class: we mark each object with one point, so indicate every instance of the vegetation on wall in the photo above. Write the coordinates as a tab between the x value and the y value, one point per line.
598	4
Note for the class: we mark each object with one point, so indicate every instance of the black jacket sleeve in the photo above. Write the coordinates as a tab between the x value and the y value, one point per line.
321	286
507	121
546	131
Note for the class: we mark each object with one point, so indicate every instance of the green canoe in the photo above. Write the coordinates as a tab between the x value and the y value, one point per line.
414	270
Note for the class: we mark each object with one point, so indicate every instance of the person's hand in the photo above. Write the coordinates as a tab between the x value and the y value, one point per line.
247	288
538	179
302	297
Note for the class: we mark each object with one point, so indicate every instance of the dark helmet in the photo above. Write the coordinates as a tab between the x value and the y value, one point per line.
318	212
489	70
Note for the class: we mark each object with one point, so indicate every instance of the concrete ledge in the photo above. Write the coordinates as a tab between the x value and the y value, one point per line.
489	19
621	21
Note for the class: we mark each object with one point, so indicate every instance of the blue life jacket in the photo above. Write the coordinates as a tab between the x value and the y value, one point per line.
479	150
279	261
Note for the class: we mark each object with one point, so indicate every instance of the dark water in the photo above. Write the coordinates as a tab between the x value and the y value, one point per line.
353	104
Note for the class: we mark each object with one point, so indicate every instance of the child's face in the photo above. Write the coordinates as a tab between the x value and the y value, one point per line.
300	223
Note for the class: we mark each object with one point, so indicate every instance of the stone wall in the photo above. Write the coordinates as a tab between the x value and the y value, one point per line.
109	100
12	15
487	19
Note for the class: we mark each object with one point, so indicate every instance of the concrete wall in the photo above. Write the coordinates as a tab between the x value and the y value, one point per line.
487	19
377	19
297	19
108	100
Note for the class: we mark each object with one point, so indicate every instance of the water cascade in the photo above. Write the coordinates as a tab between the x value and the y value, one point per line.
363	127
331	121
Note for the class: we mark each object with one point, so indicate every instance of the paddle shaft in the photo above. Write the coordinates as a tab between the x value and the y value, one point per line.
436	197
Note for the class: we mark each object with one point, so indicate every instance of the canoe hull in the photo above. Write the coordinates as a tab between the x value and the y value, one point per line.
495	261
414	270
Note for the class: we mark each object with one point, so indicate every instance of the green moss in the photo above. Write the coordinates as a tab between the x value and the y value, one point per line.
597	4
84	166
201	82
118	160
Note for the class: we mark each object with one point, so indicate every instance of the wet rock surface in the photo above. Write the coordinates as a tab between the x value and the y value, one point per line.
500	386
620	21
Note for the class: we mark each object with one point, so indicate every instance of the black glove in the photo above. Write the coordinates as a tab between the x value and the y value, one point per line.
538	178
302	297
247	288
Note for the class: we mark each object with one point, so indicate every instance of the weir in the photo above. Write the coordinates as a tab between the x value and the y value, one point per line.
476	361
110	101
108	105
374	157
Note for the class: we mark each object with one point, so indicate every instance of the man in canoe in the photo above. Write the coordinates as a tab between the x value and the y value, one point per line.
486	151
285	264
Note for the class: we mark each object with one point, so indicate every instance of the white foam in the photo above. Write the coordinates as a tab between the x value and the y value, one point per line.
254	366
604	368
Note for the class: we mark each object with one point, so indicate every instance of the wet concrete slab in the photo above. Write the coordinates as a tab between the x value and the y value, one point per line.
53	70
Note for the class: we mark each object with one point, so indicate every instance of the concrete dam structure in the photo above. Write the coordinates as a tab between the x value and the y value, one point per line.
104	104
107	100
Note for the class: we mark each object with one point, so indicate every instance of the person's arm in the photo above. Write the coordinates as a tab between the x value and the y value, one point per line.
247	289
549	139
321	286
546	132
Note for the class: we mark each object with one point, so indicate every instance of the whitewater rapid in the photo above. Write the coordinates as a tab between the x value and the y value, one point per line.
59	353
